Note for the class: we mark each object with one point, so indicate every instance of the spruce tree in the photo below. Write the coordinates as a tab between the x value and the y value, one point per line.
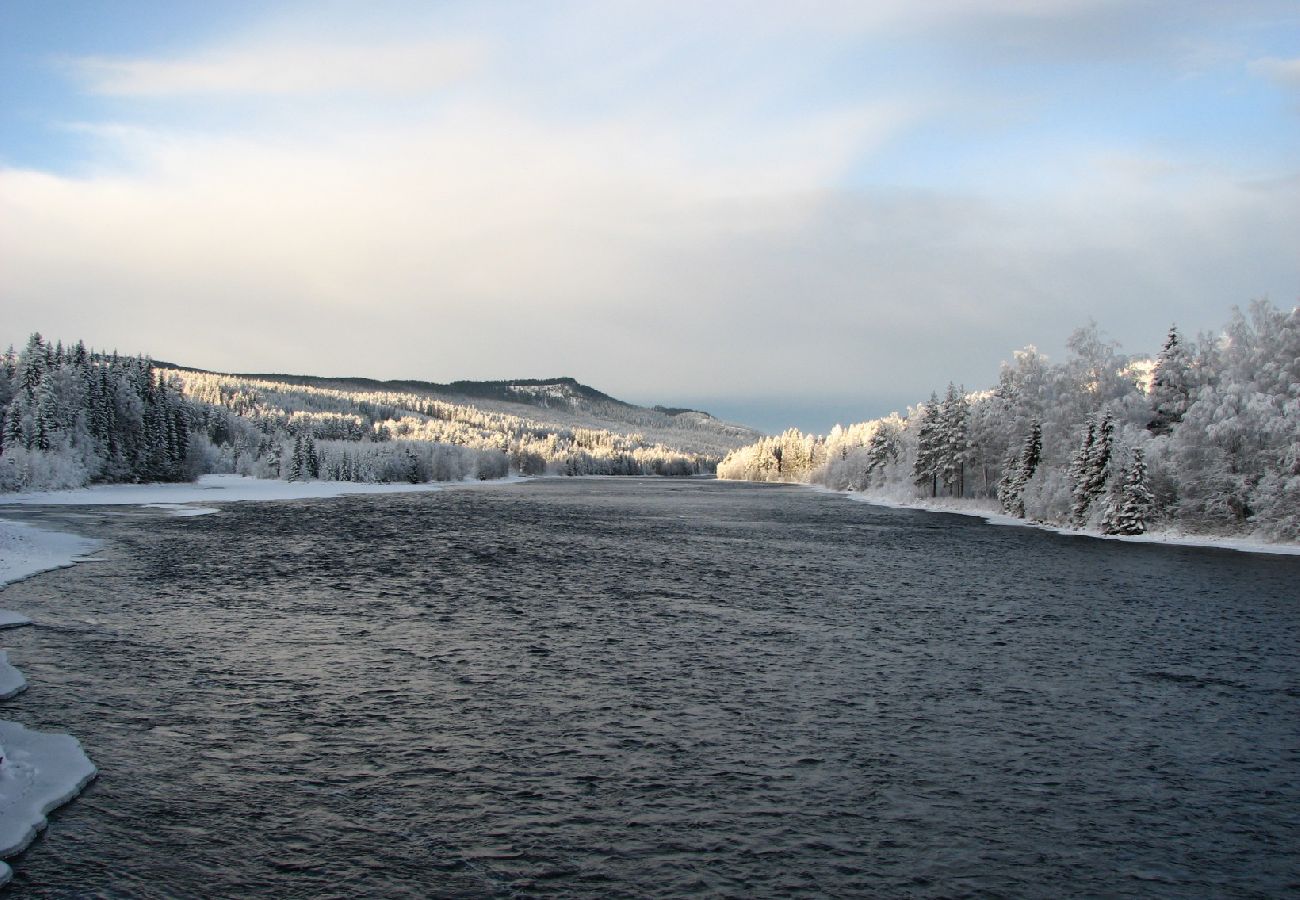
296	467
925	470
1170	385
1080	476
953	440
311	462
1018	469
1131	503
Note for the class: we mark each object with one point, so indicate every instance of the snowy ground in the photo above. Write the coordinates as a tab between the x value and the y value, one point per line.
12	681
989	514
39	772
219	489
25	550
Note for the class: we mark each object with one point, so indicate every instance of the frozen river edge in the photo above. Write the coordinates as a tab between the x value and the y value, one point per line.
39	772
993	517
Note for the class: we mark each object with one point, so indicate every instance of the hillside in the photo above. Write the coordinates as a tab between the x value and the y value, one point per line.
555	404
70	416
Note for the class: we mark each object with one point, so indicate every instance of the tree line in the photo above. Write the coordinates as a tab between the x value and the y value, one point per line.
1204	437
73	416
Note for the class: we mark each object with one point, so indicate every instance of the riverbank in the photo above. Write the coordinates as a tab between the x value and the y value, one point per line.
986	511
38	771
222	489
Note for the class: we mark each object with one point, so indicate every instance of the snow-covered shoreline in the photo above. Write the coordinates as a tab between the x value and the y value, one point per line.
993	517
38	771
224	489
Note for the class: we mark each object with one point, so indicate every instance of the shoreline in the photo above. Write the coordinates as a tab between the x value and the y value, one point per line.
991	516
39	771
180	496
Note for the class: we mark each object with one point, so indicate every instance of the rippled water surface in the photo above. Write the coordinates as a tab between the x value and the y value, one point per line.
650	687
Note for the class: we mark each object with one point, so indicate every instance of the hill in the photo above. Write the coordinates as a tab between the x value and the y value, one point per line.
73	416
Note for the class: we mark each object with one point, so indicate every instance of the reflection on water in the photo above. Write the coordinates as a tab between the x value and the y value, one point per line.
642	687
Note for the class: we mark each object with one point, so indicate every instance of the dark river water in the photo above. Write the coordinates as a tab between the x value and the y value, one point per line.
647	687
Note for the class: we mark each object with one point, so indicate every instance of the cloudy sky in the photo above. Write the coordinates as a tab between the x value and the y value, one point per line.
786	213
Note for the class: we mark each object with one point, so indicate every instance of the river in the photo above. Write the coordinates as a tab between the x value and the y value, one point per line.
645	687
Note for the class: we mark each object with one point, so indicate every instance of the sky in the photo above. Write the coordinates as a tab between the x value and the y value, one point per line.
786	214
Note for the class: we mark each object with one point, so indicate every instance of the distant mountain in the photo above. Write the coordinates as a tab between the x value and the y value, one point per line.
561	403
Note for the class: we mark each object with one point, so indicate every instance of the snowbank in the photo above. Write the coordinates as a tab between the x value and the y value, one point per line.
39	772
993	517
11	680
223	489
25	550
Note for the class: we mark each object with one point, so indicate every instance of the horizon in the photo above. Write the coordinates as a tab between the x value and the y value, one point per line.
784	220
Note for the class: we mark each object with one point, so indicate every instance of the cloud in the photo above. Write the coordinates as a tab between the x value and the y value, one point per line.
669	201
1286	72
286	69
491	246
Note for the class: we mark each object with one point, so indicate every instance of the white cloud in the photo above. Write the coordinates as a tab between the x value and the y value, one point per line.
286	69
1285	72
657	199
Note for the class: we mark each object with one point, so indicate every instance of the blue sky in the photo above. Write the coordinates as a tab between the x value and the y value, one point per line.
785	216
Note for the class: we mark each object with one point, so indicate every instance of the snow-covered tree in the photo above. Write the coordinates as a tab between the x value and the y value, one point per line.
929	447
1130	504
1171	385
1018	470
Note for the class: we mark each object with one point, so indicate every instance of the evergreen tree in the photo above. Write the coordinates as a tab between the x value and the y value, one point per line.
45	415
296	466
883	448
13	425
1130	504
1170	385
1080	475
32	364
1019	468
310	461
953	442
925	470
1091	467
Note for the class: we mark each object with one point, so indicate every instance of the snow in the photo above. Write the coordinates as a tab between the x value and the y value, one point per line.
12	681
991	516
39	772
222	489
25	550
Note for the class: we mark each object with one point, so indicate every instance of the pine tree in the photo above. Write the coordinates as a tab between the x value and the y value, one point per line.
1090	468
296	467
45	415
925	471
1019	468
32	364
311	462
1170	385
883	448
1080	476
953	440
1131	502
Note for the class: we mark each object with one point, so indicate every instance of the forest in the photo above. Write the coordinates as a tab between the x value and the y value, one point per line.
70	416
1202	438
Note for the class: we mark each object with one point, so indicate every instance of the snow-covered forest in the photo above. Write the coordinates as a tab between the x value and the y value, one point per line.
1204	438
72	417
